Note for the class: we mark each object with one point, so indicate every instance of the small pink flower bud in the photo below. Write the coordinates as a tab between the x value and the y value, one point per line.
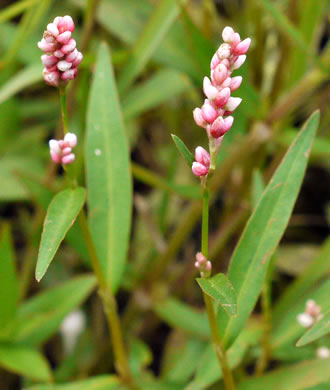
224	51
72	56
323	352
201	259
197	113
48	61
49	37
55	157
71	139
64	37
242	47
54	146
237	39
228	35
220	74
66	151
69	74
239	62
235	83
228	122
58	54
199	169
312	308
305	320
202	156
232	104
77	60
223	97
68	159
52	29
67	23
208	112
45	46
209	90
215	61
64	65
217	128
208	266
69	47
51	78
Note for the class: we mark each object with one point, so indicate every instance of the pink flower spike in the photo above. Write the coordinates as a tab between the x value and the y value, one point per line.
198	118
239	62
68	159
66	49
52	29
235	83
69	74
71	139
202	156
77	60
215	61
228	35
64	37
209	90
233	103
64	65
199	169
45	46
242	47
208	112
220	74
222	97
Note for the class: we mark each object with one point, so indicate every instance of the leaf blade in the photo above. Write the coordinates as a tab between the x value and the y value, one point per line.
182	148
320	329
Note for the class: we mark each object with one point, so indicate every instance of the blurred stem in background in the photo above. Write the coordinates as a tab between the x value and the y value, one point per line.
105	291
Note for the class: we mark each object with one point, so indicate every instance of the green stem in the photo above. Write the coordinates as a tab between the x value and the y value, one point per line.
216	340
64	110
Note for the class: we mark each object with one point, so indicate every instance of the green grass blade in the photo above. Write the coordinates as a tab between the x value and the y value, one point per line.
153	33
264	230
108	172
61	214
320	329
182	148
101	382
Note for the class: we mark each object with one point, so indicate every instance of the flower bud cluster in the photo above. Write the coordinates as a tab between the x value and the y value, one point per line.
311	315
202	164
203	265
215	114
61	151
62	59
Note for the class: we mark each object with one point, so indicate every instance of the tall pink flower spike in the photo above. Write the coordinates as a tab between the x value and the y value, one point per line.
214	115
62	59
61	151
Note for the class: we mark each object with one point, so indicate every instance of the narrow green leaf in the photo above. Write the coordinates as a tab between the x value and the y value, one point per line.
23	79
264	230
257	187
294	377
185	152
24	361
102	382
39	317
61	214
320	329
161	87
108	172
8	278
318	268
165	14
180	315
219	288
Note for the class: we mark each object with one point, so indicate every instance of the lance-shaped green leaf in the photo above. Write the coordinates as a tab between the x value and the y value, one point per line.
264	230
61	214
221	291
24	361
8	278
320	329
185	152
108	172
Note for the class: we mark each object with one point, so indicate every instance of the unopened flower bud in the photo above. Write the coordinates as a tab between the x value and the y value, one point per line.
239	62
64	65
215	61
69	74
68	159
51	77
224	51
235	83
209	113
202	156
201	259
228	35
323	353
233	103
52	28
220	74
71	45
71	139
64	38
209	90
71	327
242	47
305	320
45	46
222	97
199	169
197	113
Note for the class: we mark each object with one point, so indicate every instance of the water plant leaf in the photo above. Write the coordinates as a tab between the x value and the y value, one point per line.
219	288
320	329
264	230
185	152
108	172
61	214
